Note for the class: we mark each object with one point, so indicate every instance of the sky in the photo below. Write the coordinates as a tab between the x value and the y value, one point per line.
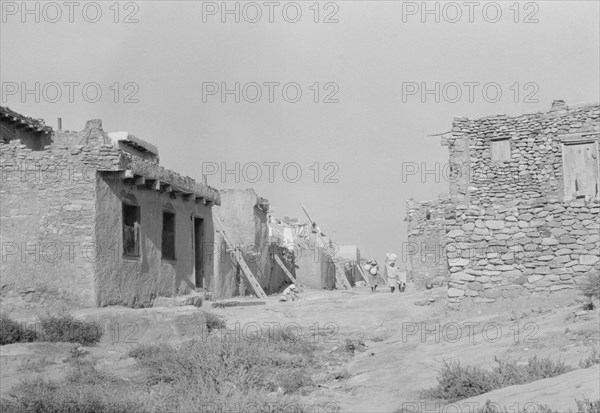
337	100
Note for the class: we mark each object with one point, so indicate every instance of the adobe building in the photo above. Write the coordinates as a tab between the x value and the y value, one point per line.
349	255
522	215
313	254
90	218
244	217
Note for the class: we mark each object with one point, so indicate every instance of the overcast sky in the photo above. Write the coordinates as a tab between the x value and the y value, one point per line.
362	132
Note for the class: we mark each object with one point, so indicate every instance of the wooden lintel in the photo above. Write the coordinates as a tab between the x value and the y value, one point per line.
153	184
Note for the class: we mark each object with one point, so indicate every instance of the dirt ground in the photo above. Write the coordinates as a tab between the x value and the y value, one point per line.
377	351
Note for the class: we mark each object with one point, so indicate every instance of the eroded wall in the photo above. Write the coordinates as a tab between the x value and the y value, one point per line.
425	251
47	215
315	266
246	226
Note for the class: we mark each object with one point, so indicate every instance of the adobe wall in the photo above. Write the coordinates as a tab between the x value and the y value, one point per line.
315	264
47	217
246	225
136	282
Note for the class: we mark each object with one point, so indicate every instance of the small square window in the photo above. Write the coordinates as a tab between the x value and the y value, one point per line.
501	150
168	236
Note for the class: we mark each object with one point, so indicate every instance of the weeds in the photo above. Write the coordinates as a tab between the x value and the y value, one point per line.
225	370
457	382
84	390
13	332
214	321
591	289
57	328
65	328
592	359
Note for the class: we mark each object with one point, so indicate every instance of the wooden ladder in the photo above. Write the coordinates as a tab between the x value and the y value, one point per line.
340	274
285	270
238	258
362	274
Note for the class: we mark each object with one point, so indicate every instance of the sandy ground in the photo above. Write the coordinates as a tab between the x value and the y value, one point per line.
405	344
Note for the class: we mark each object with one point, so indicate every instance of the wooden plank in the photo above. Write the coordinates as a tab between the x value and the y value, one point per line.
500	150
340	275
362	274
239	258
153	184
289	274
580	172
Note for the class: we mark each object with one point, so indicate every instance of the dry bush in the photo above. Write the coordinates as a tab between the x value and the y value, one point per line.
457	382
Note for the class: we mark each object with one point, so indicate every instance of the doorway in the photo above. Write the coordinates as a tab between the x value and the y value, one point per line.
198	252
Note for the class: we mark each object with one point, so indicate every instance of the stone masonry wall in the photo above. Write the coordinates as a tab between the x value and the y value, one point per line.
510	230
535	169
510	250
47	217
425	250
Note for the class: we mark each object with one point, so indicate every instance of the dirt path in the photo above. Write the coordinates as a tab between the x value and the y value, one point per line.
405	344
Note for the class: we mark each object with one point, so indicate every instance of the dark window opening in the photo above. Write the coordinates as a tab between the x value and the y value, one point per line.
428	216
131	231
168	236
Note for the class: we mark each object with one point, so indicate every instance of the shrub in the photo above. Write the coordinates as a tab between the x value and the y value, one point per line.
39	395
65	328
291	380
593	358
591	289
214	321
587	406
13	332
457	382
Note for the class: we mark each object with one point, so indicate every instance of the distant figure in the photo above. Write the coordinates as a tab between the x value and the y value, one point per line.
373	269
391	271
291	292
401	280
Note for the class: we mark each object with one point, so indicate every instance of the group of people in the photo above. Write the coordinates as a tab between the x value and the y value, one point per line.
392	275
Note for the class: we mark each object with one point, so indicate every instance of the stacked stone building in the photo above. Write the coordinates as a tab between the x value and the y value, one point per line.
522	215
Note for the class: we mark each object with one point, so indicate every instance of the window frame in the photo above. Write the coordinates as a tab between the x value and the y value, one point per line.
498	140
136	229
168	255
576	139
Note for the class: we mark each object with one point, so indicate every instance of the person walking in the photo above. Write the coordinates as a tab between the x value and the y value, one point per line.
401	280
391	272
372	268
